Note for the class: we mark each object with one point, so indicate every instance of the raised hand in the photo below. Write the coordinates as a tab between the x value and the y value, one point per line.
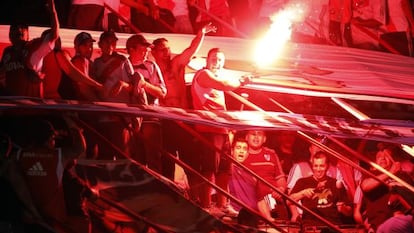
245	79
209	28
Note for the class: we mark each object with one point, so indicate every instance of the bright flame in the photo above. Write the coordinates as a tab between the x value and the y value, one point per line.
271	45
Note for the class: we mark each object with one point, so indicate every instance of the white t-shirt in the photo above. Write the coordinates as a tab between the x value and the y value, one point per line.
37	56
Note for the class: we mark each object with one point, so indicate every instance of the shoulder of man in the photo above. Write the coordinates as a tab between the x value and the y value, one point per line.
405	176
154	66
33	44
64	52
269	150
304	180
77	58
116	60
199	73
118	56
331	179
8	49
150	62
31	47
6	56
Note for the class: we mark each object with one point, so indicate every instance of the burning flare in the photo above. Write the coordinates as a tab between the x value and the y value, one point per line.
271	45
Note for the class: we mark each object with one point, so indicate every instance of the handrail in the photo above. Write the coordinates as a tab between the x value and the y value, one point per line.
221	21
327	149
155	174
133	27
382	42
250	104
205	141
123	19
127	211
362	116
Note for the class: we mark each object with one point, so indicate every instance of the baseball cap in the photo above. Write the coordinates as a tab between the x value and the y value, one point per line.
107	34
137	39
83	37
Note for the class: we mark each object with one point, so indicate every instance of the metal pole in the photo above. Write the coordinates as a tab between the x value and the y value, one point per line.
123	19
362	116
251	105
346	160
221	21
155	174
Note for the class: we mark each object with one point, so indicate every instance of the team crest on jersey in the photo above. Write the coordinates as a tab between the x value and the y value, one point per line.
267	157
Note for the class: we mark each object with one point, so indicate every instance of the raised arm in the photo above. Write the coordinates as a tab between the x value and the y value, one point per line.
74	73
54	20
195	45
209	79
369	184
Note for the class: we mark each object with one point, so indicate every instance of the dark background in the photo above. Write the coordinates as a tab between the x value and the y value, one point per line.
31	12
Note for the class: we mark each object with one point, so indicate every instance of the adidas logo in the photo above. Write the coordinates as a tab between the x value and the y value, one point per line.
36	170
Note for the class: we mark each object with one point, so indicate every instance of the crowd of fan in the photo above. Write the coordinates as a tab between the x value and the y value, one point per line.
304	172
376	24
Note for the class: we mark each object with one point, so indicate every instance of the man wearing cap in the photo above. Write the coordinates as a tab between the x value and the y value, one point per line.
83	52
116	73
61	76
120	84
138	48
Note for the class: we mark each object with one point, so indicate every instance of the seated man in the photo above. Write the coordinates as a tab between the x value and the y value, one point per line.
377	194
304	168
242	185
400	203
320	193
265	163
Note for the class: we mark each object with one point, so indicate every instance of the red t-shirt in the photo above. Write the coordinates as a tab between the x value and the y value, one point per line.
265	164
